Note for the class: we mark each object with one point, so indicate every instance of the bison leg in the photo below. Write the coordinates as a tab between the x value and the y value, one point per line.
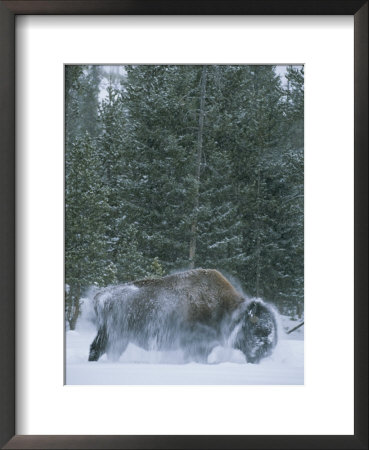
198	343
197	353
116	348
98	346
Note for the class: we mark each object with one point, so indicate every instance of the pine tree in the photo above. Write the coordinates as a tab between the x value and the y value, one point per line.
185	166
292	204
73	82
87	262
162	112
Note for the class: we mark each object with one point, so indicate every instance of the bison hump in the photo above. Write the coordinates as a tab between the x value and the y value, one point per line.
209	295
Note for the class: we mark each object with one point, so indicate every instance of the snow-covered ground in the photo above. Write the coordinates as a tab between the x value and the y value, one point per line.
225	365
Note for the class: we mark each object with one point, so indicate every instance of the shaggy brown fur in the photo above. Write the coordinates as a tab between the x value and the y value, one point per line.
202	294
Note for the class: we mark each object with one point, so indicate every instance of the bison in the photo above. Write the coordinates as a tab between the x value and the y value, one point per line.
194	311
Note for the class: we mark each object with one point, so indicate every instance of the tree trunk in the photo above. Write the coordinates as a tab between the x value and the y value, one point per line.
193	237
76	308
258	243
299	309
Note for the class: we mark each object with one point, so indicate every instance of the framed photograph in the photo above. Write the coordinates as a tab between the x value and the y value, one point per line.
183	183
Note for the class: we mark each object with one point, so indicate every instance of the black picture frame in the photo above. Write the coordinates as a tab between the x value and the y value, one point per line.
8	12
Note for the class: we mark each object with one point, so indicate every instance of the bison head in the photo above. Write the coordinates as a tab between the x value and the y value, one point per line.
257	335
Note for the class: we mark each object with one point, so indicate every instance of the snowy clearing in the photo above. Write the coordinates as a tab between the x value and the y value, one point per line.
226	366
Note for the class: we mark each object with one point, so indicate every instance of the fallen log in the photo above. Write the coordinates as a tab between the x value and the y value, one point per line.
295	328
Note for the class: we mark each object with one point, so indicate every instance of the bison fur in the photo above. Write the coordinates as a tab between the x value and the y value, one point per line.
194	311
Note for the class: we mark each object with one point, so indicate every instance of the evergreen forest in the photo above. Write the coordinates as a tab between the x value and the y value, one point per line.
172	167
